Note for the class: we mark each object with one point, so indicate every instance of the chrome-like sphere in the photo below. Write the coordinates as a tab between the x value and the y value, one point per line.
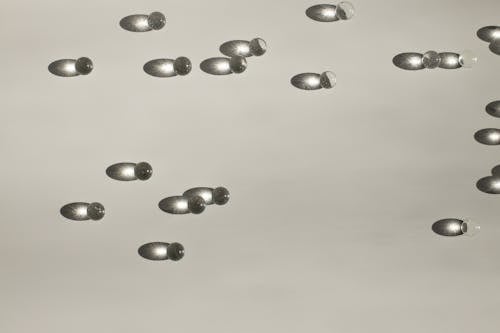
220	195
143	171
182	66
84	65
237	64
95	211
175	251
156	20
431	59
345	10
196	205
327	80
157	251
257	47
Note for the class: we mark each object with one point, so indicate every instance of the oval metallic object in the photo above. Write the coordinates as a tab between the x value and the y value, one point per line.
489	184
410	61
154	251
495	46
204	192
64	68
449	60
488	136
76	211
216	66
322	13
122	171
448	227
489	33
136	23
174	205
160	68
307	81
236	48
493	109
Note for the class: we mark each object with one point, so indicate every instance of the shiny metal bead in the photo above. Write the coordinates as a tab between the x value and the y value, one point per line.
182	66
160	68
143	23
82	211
489	33
84	65
327	80
71	67
489	184
127	171
307	81
174	205
223	66
449	60
237	64
495	46
493	109
496	171
411	61
156	20
488	136
204	192
258	47
431	59
196	205
345	10
157	251
322	13
220	195
448	227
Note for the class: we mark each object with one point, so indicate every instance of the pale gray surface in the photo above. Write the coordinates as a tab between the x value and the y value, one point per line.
333	192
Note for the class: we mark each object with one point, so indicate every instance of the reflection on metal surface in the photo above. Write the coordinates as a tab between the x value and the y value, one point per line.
489	184
314	81
196	204
449	60
448	227
409	61
168	67
204	192
223	66
128	171
143	23
174	205
71	67
330	13
488	136
220	195
493	109
489	34
161	251
82	211
431	59
243	48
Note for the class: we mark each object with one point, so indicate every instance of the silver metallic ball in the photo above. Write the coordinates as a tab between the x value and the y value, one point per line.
84	65
196	205
156	20
431	59
95	211
258	47
220	195
238	64
143	171
182	66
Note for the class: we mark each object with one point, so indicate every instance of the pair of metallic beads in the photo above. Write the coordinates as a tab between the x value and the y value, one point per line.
237	51
71	67
491	34
194	200
455	227
82	211
331	13
314	81
143	23
432	59
161	251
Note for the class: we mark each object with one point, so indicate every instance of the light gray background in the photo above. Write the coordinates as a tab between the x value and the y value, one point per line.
333	191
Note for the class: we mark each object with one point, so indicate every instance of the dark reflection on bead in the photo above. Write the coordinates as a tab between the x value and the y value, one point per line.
216	66
95	211
495	47
84	65
448	227
237	64
328	80
220	195
488	136
182	66
160	68
307	81
449	60
174	205
161	251
490	184
156	20
143	171
258	47
489	33
64	68
431	59
409	61
493	109
196	205
76	211
135	23
82	211
204	192
322	13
